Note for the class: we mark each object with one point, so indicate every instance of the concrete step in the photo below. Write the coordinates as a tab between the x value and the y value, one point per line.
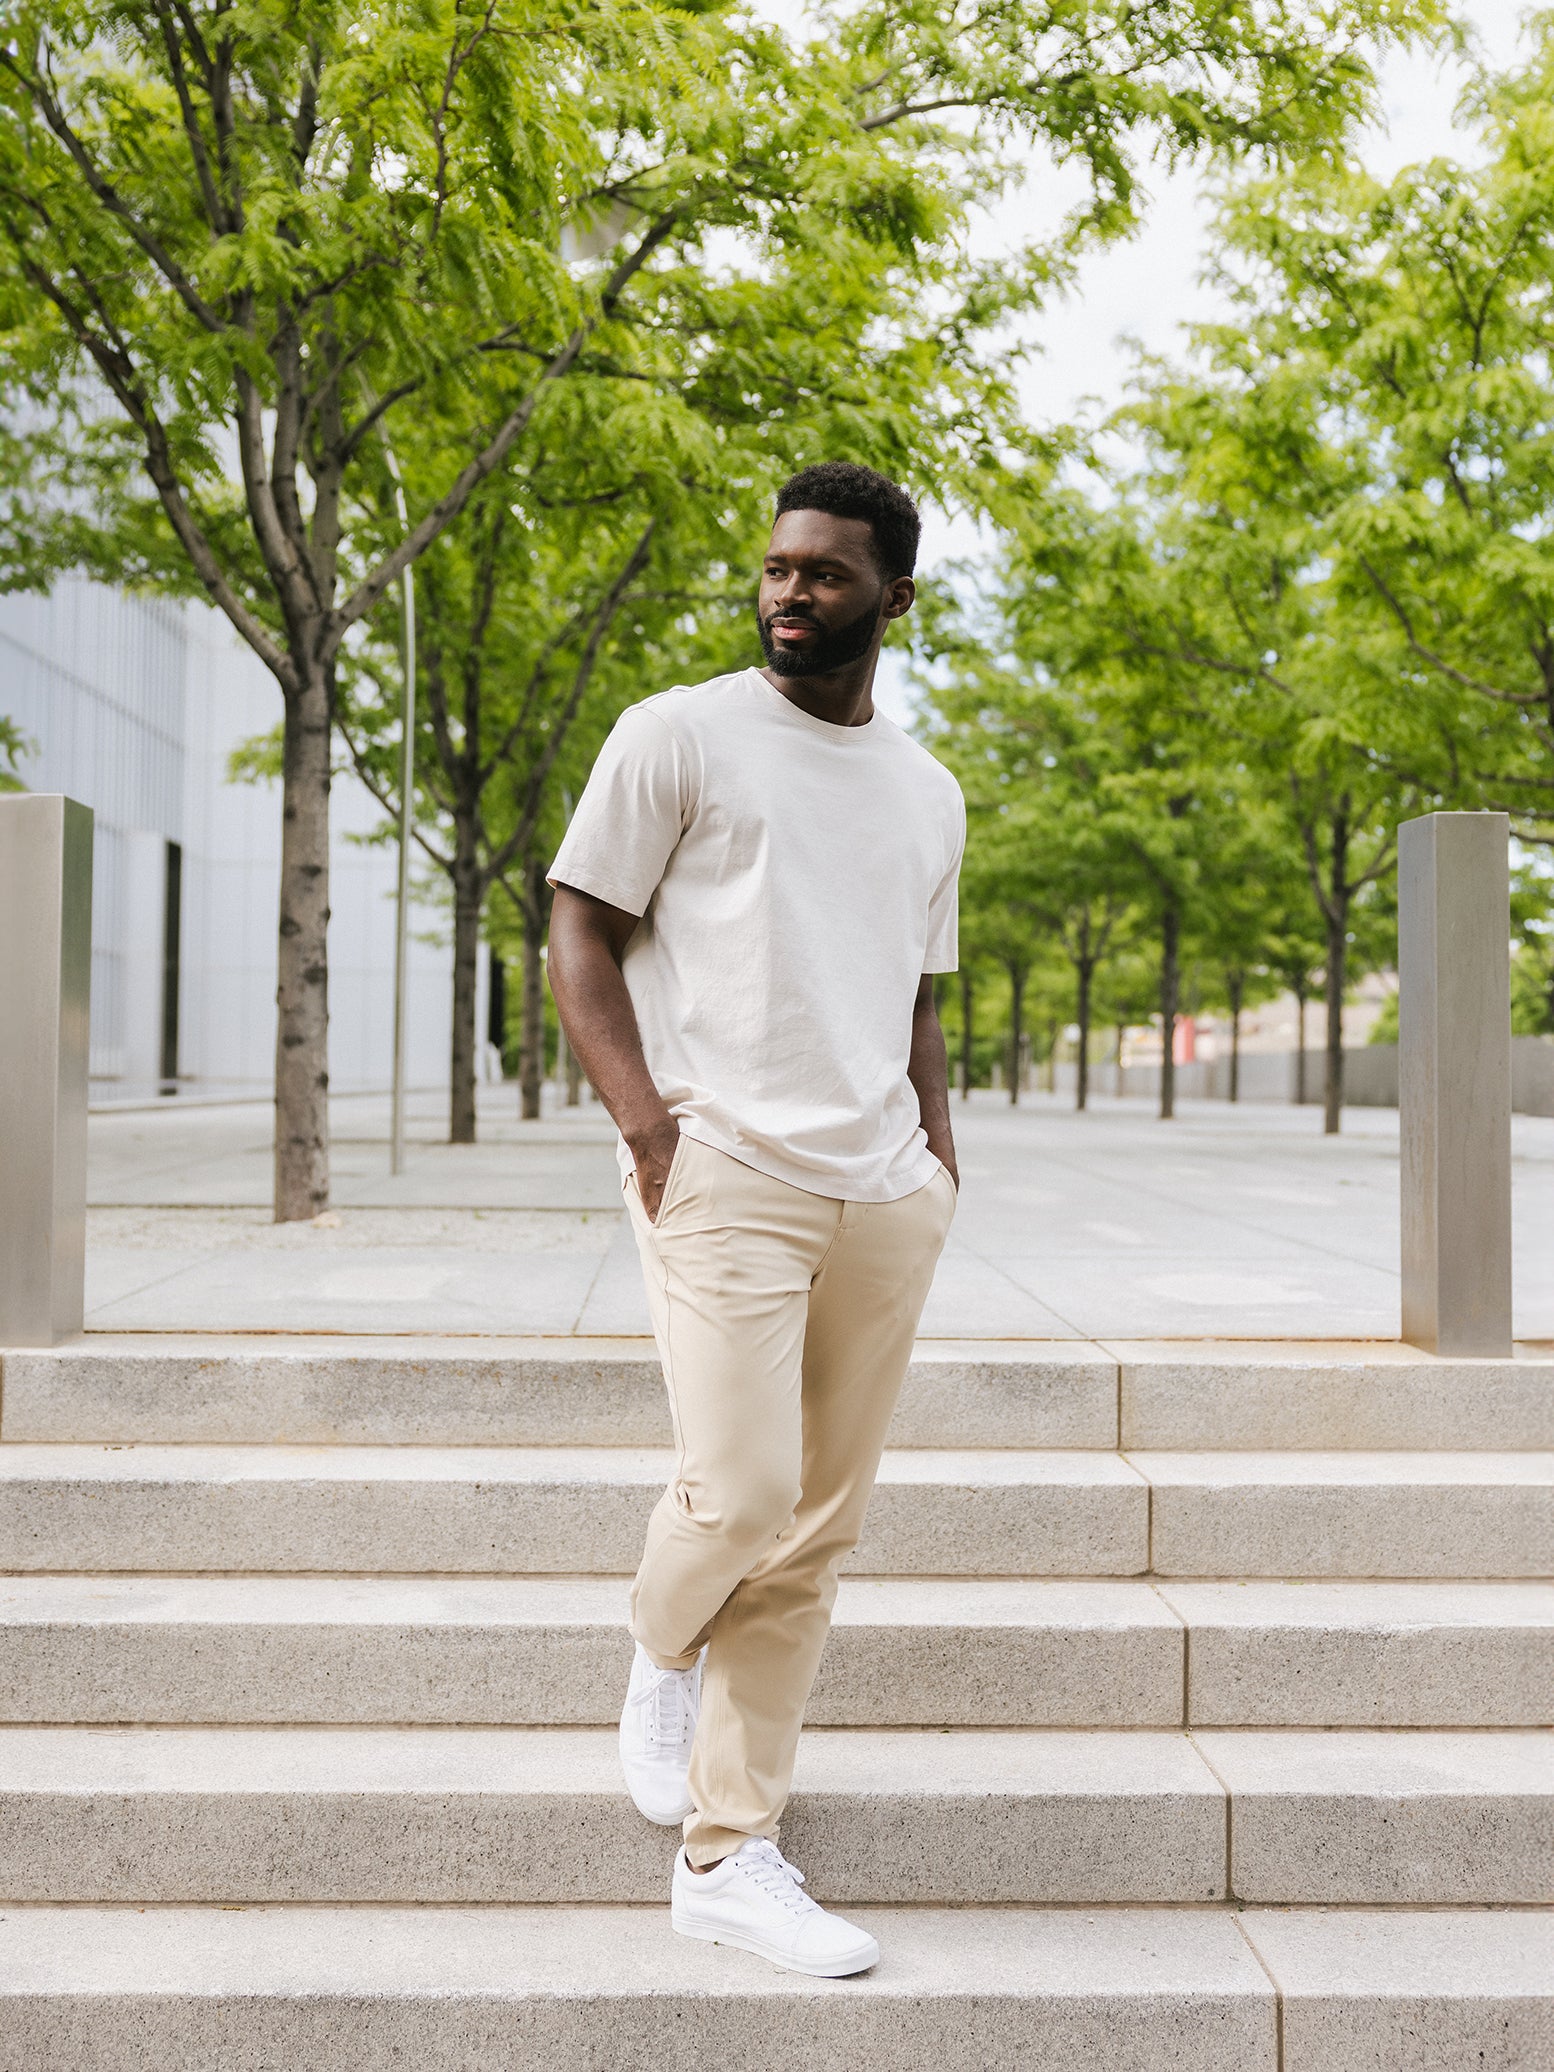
464	1816
554	1652
951	1652
185	1389
469	1815
1267	1654
527	1511
1350	1514
1327	1396
1118	1990
1411	1818
500	1392
580	1510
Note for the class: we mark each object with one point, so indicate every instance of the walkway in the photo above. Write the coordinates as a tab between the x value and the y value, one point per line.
1228	1223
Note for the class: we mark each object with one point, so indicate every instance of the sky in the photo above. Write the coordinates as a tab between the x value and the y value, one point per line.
1150	288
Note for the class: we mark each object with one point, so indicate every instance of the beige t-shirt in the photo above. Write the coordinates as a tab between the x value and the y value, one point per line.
794	879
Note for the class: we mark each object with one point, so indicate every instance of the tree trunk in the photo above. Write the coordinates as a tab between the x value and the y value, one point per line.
1337	960
496	1012
1170	994
531	1056
1300	1044
467	902
1084	972
302	989
1236	987
967	1001
1016	1027
1337	905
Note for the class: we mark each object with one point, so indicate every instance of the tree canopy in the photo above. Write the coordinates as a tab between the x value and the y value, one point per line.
248	251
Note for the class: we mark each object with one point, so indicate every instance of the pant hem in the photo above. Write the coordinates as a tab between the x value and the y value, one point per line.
723	1841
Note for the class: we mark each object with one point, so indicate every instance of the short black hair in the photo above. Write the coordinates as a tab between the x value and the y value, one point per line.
846	490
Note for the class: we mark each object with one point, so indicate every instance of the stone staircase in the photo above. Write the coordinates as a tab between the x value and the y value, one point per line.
1185	1708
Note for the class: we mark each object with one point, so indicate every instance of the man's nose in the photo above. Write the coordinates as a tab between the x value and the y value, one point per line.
793	589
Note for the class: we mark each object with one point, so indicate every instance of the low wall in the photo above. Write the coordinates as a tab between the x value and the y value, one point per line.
1370	1077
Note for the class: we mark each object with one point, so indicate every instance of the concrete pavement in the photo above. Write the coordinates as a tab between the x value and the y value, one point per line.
1228	1223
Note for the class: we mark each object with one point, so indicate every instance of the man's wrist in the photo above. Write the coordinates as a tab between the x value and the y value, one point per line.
642	1138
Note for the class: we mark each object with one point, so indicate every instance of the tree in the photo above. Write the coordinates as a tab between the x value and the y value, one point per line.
1250	476
1094	766
1532	948
1416	314
254	239
511	630
1256	930
1054	854
250	236
616	552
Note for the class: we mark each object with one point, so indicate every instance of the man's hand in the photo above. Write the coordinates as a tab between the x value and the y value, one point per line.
928	1071
653	1155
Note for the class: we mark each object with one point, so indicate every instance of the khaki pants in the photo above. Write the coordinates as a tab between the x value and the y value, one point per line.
784	1322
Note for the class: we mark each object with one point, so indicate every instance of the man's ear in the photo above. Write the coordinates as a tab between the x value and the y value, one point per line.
899	597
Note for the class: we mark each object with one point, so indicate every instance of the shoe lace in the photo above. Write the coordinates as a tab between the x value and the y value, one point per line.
671	1717
764	1863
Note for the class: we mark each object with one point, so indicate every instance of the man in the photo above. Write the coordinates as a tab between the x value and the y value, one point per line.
751	900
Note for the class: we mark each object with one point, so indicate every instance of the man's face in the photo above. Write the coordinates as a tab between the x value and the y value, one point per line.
823	602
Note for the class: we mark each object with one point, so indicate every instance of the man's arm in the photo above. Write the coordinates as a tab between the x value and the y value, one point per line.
588	938
928	1070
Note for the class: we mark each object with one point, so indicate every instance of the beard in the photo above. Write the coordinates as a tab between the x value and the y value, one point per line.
827	651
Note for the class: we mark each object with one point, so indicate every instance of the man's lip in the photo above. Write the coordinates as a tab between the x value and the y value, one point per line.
792	627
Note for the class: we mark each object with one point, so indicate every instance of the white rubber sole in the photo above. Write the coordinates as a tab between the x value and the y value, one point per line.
666	1818
662	1819
846	1967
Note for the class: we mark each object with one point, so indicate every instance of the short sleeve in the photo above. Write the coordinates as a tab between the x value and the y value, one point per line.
943	951
631	815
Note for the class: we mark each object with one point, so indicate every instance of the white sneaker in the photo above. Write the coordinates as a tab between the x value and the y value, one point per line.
658	1724
752	1900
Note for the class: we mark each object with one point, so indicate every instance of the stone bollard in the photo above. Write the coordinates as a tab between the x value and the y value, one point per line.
45	1015
1454	1081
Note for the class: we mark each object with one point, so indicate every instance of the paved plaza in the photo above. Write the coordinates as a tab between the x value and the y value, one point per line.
1227	1223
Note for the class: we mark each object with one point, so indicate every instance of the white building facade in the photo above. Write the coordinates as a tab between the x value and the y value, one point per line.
134	705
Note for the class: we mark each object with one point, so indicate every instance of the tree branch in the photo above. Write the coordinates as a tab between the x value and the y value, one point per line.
609	605
1447	669
112	201
485	463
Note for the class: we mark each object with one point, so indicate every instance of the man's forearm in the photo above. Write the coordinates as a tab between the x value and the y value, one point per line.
601	1024
928	1070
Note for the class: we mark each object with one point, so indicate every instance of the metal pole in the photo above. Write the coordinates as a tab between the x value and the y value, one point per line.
45	1031
406	809
1454	1081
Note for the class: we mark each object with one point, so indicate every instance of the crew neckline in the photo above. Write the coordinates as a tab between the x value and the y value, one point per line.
869	731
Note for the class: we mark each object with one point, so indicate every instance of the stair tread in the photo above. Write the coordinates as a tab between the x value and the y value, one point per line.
954	1600
620	1952
894	1762
23	1461
530	1600
89	1461
514	1951
1358	1605
1363	1470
